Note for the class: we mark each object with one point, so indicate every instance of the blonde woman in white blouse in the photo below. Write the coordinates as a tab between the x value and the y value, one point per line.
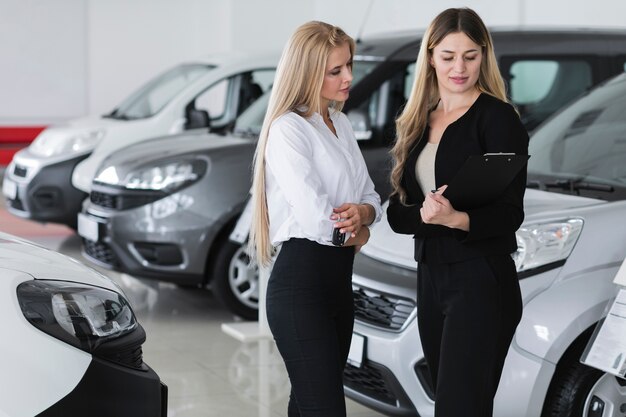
310	179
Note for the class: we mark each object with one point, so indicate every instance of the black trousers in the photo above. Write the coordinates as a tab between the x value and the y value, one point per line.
467	314
311	314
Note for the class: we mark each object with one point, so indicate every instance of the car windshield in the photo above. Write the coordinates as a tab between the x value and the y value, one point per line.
586	142
153	96
251	120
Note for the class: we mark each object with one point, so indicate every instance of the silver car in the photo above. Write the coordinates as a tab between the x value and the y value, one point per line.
571	245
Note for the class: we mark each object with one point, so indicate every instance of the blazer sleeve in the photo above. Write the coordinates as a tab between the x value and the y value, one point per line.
403	218
502	131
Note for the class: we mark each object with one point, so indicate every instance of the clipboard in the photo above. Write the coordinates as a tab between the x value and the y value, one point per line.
483	178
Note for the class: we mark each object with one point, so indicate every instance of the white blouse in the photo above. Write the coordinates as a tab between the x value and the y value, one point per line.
310	171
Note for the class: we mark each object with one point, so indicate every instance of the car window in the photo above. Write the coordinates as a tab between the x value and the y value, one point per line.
539	87
586	140
155	95
263	78
252	86
229	97
383	104
213	99
251	120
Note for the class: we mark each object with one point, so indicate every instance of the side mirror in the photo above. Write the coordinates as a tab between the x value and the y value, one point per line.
196	118
360	124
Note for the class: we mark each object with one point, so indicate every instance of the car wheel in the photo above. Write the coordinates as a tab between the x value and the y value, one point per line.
581	391
235	282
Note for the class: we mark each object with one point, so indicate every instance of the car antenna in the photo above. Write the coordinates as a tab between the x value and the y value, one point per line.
367	14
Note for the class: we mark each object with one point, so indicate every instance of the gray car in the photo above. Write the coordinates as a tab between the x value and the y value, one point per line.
164	208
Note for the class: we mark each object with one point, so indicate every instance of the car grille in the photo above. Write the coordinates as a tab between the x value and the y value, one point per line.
123	201
381	310
103	200
124	350
132	357
101	252
20	171
370	381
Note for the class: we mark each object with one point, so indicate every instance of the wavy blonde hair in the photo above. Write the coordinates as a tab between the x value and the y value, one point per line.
424	96
297	86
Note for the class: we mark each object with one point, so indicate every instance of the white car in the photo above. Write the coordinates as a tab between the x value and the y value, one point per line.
71	345
571	245
49	180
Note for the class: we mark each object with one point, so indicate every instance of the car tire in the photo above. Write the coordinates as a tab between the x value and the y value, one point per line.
235	282
578	390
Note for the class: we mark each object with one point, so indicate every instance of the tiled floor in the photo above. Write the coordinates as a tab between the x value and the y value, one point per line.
208	372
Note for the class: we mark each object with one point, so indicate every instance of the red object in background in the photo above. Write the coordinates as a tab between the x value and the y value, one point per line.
14	138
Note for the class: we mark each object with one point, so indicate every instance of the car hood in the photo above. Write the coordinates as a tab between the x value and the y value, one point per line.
166	148
45	149
387	246
88	122
41	263
66	130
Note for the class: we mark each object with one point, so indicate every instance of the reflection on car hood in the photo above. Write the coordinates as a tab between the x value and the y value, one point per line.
168	148
387	246
84	123
41	263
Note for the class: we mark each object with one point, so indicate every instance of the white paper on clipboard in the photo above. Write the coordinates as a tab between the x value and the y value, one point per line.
620	278
607	348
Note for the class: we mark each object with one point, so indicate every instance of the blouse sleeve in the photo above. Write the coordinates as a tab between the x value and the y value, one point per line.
502	132
289	157
367	189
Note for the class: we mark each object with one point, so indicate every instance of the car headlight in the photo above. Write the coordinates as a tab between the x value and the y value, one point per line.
81	315
545	244
52	142
167	176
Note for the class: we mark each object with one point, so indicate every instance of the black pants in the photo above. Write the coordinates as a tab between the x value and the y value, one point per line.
467	315
311	314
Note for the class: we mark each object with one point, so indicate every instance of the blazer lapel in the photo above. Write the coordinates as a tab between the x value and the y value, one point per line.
414	191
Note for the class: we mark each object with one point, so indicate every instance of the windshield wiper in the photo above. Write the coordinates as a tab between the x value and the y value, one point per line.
572	185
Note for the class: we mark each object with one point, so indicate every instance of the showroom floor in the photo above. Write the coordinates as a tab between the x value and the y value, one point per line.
208	372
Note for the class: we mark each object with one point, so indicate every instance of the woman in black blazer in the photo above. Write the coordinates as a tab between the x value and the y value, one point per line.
469	301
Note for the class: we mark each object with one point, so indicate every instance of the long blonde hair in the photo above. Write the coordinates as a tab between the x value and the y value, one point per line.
297	88
424	96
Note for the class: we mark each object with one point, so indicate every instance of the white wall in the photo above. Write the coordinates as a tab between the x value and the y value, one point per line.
69	58
43	71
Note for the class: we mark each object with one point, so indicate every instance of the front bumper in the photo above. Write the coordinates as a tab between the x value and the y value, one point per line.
43	192
163	239
108	389
393	379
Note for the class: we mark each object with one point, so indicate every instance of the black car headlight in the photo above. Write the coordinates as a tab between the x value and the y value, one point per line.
82	315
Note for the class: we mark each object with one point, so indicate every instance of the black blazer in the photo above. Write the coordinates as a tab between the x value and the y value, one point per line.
489	125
